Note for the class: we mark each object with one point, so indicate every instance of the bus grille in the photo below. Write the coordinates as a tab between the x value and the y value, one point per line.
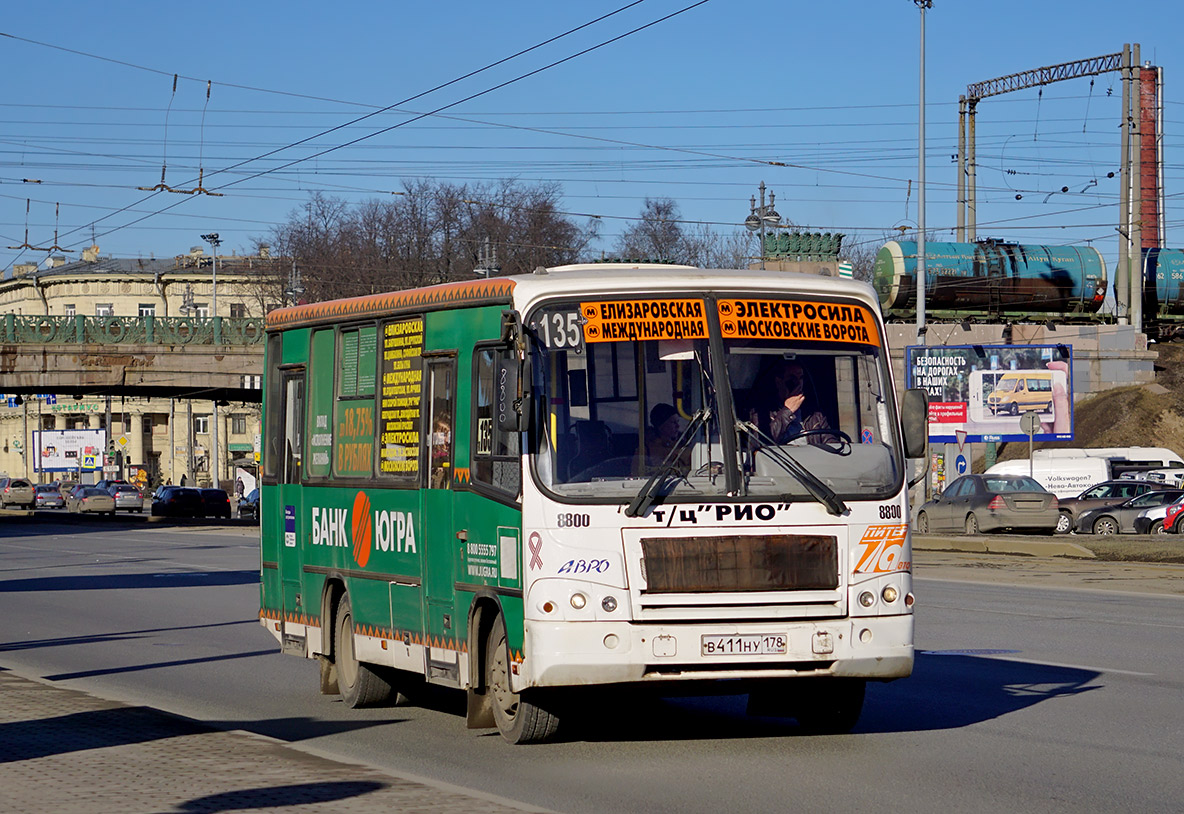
785	562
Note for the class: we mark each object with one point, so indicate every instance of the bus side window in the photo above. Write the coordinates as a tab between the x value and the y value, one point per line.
496	458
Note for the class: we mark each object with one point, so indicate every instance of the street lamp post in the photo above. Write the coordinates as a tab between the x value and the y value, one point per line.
762	216
215	462
923	5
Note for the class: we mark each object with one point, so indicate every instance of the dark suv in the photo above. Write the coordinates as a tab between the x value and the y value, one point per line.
177	501
1106	493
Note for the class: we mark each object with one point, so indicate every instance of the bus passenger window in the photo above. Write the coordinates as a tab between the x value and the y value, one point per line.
293	421
496	458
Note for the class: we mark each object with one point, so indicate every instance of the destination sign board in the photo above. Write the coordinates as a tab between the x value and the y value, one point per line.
632	320
797	320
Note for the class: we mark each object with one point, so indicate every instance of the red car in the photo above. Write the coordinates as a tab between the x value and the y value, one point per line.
1173	521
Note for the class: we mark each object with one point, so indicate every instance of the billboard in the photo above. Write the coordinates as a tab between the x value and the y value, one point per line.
70	450
983	390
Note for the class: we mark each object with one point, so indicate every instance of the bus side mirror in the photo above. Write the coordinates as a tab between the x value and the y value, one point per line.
509	402
914	422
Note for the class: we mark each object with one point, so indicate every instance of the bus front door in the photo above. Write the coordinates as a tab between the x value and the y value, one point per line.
444	631
291	548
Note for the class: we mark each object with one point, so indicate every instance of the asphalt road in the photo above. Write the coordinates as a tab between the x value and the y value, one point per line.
1026	697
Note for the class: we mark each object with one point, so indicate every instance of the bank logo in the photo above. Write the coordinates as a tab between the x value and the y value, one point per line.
362	529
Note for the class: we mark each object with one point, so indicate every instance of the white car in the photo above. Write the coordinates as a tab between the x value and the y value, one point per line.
1151	520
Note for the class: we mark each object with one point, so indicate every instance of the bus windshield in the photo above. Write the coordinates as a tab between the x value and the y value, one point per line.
615	413
823	408
807	418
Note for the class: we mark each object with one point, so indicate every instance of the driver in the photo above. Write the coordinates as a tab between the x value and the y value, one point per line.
786	415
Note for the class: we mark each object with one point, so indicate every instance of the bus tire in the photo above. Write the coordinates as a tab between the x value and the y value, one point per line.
360	685
832	706
519	717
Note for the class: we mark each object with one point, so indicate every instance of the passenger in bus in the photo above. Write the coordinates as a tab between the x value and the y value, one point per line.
661	436
441	453
784	414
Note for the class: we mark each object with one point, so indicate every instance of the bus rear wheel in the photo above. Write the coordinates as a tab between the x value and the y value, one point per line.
832	706
518	716
360	685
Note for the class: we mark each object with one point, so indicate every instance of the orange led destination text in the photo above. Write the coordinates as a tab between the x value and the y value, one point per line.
791	319
631	320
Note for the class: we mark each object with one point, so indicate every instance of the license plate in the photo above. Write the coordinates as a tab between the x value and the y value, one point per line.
749	644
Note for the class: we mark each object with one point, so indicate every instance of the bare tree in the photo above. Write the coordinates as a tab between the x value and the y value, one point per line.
657	234
430	233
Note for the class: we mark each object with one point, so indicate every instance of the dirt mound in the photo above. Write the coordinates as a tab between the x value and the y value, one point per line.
1128	416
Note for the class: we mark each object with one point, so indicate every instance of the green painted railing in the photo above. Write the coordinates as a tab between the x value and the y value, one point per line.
79	330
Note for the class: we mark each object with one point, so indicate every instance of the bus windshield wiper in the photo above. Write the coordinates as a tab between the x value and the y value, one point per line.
649	492
819	490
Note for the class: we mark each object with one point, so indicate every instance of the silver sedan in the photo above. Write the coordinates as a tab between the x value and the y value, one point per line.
93	500
127	497
977	503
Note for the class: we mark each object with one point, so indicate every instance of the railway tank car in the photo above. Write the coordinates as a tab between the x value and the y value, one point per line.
1163	283
993	277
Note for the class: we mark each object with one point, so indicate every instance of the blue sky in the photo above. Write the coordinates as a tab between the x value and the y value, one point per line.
690	109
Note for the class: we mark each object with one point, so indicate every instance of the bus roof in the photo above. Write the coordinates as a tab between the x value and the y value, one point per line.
591	279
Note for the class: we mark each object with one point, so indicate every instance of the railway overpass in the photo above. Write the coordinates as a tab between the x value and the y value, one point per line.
169	357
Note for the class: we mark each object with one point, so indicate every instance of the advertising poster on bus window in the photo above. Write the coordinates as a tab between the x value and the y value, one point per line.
983	390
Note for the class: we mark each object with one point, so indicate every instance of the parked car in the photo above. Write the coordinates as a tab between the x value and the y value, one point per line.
16	492
1173	519
216	503
248	507
975	503
1150	521
177	501
1106	493
127	496
1121	519
94	500
48	496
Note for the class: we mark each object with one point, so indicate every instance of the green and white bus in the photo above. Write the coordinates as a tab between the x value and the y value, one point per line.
601	475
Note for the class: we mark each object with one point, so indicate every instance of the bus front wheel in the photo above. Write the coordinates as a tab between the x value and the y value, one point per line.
518	716
359	684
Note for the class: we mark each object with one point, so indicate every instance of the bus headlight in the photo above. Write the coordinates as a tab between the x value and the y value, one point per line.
609	603
889	594
867	599
578	601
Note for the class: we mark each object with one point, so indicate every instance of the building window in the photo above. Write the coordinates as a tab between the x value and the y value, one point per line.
238	425
202	310
147	421
201	424
147	309
104	309
70	309
238	310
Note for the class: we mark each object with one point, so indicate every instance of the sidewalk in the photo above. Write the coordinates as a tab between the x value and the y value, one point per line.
66	752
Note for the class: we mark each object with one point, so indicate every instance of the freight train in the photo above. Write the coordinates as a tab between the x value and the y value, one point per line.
999	280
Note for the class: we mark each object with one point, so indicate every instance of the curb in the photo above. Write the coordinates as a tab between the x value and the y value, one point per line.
1003	545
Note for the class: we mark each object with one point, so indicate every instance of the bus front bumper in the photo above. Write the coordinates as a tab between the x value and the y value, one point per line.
586	653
